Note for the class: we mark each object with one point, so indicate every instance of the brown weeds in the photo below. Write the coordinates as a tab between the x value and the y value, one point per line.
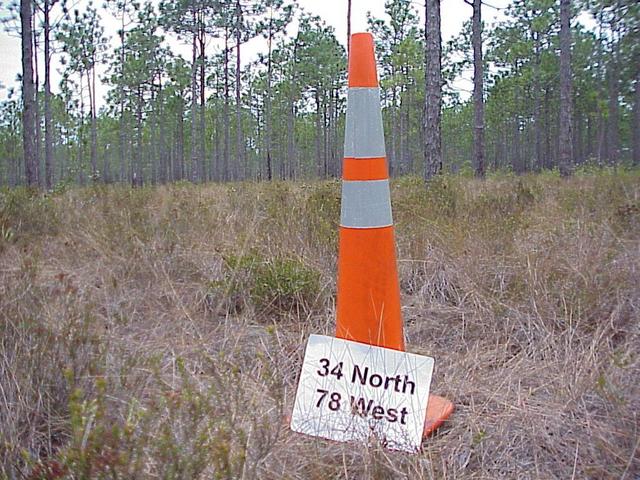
159	332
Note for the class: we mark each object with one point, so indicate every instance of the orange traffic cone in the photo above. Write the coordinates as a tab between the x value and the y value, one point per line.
368	303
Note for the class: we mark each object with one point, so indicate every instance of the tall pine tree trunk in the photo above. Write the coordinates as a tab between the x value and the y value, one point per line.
121	122
318	132
259	133
28	94
393	157
566	134
239	143
601	90
137	174
291	170
478	87
48	133
152	121
91	81
227	131
325	139
267	113
291	118
80	166
216	154
613	124
165	162
547	161
636	120
194	105
179	174
433	97
36	82
537	105
201	144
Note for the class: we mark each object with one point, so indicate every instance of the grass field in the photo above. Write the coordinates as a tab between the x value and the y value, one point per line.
159	332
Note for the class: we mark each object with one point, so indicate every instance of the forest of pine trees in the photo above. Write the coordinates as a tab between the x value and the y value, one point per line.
556	84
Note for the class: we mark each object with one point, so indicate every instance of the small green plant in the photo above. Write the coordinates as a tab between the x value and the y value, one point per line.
466	170
276	285
283	285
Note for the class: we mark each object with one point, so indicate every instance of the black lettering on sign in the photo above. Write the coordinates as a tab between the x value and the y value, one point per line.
377	412
337	371
324	370
334	399
324	363
323	393
334	403
375	380
399	383
392	415
360	406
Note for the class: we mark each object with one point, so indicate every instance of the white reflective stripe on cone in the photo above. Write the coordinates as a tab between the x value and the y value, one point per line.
363	135
365	204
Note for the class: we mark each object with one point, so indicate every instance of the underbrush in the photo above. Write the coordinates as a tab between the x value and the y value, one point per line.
277	286
159	332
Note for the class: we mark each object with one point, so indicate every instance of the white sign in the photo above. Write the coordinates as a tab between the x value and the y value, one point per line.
353	391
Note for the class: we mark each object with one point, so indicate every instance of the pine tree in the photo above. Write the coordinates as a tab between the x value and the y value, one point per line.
433	97
84	44
566	134
28	94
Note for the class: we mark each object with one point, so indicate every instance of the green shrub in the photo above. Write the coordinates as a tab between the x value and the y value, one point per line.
175	428
277	285
285	285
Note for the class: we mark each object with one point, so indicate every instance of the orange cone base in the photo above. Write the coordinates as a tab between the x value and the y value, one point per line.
438	410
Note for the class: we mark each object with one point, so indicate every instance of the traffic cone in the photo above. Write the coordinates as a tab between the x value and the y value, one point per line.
368	302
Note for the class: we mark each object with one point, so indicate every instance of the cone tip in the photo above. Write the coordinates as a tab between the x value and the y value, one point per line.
362	62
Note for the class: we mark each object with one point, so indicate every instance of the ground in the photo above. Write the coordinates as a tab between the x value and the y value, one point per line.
159	331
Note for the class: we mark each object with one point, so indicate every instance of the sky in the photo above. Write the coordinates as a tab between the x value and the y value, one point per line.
333	12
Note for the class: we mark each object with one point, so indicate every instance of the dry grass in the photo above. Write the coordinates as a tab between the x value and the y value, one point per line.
158	333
